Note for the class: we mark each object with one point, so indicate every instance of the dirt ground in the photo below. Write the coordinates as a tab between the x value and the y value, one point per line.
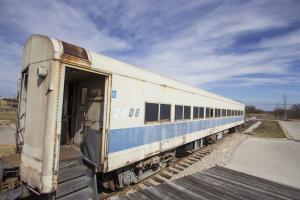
7	139
221	154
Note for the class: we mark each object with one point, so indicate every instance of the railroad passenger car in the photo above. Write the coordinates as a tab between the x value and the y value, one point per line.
82	110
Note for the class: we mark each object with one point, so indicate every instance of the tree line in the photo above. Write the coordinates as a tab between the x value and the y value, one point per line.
293	112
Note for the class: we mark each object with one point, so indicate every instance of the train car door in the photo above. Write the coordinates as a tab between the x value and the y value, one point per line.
93	96
86	92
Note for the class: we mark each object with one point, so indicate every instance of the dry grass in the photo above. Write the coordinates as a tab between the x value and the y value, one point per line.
6	150
12	116
270	129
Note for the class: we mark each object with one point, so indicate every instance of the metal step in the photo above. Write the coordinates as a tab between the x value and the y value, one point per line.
72	186
85	194
72	173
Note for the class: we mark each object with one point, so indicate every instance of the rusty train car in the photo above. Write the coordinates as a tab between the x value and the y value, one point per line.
87	121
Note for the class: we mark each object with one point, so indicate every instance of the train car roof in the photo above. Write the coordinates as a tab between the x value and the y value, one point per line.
39	48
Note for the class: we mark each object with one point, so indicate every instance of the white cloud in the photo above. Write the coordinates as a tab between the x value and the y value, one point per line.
62	21
54	18
192	54
185	41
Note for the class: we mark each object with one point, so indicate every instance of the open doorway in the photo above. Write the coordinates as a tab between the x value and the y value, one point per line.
83	112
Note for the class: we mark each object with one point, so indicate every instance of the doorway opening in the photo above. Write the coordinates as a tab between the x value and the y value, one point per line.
83	112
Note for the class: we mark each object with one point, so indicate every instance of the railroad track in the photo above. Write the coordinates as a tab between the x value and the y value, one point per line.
180	164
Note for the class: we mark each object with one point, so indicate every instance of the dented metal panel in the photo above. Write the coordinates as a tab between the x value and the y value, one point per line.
39	156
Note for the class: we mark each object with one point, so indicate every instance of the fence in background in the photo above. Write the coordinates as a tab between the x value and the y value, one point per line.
8	105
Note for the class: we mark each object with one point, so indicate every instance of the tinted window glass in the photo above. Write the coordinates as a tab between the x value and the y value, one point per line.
207	113
228	112
165	112
187	112
83	96
217	114
178	112
151	112
211	112
223	113
201	112
195	112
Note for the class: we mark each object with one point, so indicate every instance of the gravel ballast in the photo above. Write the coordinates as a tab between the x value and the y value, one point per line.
220	155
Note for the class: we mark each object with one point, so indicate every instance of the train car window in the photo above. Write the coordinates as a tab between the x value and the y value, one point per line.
207	113
195	112
223	113
83	96
151	112
218	112
228	113
187	112
201	112
178	112
211	112
165	112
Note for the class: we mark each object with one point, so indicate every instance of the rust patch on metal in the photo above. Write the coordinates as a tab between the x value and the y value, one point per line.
32	177
75	61
72	50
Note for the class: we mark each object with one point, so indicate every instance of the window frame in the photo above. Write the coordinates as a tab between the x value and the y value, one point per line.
170	114
158	113
81	103
223	112
176	105
190	116
197	117
203	114
212	113
207	113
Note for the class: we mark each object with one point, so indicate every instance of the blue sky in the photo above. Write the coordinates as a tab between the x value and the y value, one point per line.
245	50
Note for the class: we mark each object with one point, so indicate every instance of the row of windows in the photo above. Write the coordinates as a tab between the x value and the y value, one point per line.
162	112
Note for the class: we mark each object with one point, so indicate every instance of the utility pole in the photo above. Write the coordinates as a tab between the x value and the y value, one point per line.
277	109
284	98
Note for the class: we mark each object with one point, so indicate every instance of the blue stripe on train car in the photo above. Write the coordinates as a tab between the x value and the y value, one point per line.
126	138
